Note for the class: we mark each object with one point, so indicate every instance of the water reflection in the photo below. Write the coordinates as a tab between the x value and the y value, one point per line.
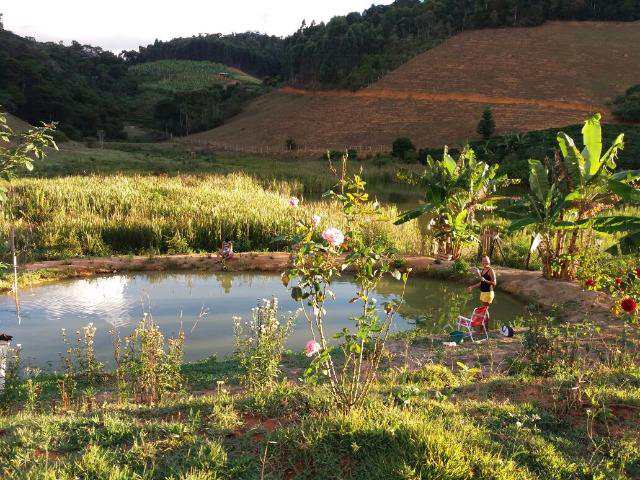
179	299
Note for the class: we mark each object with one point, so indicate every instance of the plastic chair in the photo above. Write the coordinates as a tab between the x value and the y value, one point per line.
479	318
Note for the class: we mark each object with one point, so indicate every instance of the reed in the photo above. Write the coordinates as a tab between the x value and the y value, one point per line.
106	215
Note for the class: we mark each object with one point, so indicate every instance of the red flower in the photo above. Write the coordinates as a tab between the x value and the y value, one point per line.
638	272
629	305
590	282
618	281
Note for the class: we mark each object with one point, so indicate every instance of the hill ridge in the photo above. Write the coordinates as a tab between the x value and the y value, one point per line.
534	79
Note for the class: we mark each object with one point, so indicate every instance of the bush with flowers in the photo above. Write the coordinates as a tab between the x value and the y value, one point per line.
259	343
320	256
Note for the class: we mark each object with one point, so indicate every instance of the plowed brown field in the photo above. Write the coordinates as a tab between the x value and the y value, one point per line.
533	78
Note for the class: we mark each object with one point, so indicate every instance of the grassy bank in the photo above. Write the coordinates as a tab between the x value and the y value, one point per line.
306	177
106	215
430	423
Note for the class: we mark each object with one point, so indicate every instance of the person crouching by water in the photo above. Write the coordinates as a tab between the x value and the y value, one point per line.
487	282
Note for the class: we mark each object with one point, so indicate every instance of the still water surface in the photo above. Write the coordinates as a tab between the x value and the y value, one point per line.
204	304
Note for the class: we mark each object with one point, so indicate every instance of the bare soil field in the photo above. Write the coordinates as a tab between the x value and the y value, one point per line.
533	78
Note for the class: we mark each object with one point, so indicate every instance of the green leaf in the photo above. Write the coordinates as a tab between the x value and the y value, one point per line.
296	294
573	160
625	191
575	195
630	244
521	223
449	164
609	158
626	175
411	214
592	139
538	179
615	224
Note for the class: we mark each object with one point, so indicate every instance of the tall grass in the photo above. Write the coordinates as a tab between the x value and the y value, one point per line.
104	215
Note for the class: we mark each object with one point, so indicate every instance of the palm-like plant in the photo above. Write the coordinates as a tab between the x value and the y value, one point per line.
570	196
454	192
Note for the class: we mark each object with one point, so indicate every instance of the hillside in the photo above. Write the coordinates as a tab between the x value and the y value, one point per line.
351	51
534	78
185	96
170	76
16	124
79	86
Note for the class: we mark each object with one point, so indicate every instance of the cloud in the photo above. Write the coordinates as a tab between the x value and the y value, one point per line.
126	24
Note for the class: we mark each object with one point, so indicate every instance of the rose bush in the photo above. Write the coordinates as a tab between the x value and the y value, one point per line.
321	257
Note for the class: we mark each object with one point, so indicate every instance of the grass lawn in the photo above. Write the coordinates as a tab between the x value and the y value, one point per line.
431	423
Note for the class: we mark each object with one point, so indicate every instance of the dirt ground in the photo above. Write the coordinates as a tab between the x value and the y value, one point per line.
534	78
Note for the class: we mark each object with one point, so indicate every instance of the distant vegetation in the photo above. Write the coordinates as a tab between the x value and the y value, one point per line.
254	53
186	76
180	97
627	106
513	150
357	49
79	86
87	89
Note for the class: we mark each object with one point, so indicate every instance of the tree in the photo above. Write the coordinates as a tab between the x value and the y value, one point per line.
291	144
402	147
454	192
570	196
486	126
19	150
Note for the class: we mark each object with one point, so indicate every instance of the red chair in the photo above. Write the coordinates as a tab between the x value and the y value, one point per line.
479	319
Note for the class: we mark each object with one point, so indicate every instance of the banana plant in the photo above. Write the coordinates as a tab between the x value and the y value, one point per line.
572	196
454	190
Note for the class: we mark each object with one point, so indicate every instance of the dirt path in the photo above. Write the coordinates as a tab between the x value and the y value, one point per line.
450	97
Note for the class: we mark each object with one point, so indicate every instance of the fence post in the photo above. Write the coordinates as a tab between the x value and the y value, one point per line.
5	341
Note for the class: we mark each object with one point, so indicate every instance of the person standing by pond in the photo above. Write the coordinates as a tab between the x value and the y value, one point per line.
487	282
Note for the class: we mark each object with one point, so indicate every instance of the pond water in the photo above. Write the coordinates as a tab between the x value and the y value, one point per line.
204	304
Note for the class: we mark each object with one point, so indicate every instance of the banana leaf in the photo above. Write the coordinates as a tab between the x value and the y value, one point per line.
625	191
411	214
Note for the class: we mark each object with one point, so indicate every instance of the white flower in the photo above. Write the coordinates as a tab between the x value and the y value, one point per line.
333	236
312	348
315	220
294	202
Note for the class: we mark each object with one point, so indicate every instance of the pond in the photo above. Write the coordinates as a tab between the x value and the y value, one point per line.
204	304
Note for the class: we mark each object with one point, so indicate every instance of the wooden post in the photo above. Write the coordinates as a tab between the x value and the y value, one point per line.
15	272
4	353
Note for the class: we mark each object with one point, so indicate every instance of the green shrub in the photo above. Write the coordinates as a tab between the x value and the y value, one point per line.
627	106
403	148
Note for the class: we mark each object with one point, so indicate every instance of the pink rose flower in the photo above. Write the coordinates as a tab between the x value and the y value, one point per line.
312	348
294	202
315	220
333	236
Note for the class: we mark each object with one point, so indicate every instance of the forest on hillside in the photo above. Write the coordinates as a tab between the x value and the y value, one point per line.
79	86
87	89
354	50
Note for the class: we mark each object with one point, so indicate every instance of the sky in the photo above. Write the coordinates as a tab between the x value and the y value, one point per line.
125	24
